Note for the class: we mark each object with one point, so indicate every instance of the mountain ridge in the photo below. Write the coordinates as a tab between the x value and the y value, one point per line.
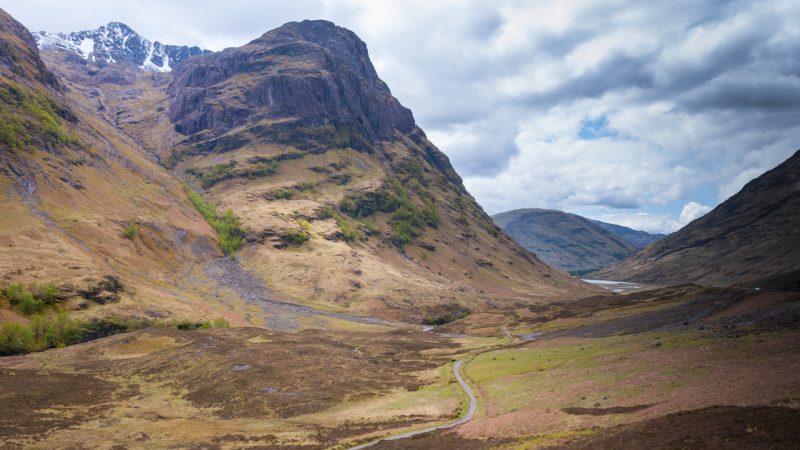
569	241
342	201
752	235
117	42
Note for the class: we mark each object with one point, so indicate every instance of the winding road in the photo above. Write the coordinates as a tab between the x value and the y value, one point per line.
473	406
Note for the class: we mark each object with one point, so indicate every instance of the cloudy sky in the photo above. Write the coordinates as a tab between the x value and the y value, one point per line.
645	114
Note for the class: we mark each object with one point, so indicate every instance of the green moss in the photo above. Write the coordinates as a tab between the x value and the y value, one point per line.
231	236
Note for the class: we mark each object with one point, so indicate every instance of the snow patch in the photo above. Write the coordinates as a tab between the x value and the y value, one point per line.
86	47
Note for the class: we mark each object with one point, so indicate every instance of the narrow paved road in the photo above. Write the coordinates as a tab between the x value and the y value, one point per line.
473	406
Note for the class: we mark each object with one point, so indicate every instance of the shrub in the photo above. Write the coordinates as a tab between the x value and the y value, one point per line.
131	230
33	298
349	232
326	212
305	186
296	237
281	194
187	325
231	237
40	334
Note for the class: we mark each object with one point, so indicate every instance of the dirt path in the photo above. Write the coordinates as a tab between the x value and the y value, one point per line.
280	315
473	406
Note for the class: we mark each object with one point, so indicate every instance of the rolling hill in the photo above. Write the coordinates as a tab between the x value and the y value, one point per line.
571	242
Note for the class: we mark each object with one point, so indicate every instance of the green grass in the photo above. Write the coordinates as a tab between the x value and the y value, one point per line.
231	236
30	117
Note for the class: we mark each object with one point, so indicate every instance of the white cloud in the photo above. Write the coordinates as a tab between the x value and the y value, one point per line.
658	223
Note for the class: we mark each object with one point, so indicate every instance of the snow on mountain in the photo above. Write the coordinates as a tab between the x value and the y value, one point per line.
117	42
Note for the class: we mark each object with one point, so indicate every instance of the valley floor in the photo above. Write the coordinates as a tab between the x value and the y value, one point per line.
675	367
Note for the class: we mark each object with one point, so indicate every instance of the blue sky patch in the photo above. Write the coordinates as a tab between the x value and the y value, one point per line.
595	129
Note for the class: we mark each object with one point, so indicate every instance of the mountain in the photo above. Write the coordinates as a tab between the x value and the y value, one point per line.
118	43
637	238
567	241
296	133
72	183
342	202
754	234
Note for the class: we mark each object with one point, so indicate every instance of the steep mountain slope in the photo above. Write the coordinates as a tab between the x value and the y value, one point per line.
297	135
71	184
118	43
567	241
752	235
637	238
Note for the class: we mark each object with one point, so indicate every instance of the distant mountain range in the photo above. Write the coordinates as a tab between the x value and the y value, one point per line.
116	43
571	242
753	235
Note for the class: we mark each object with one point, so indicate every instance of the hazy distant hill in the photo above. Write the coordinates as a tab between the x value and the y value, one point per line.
752	235
571	242
637	238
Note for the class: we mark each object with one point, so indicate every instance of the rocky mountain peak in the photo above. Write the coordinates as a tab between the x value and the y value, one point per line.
312	71
119	43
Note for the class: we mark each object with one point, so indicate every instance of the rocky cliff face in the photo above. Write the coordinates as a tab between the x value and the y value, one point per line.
118	43
313	72
754	234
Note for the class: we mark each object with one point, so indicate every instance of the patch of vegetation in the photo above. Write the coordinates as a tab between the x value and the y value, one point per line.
187	325
349	232
29	117
340	179
491	229
33	298
296	237
304	186
326	212
224	171
231	237
580	273
441	320
407	219
131	230
42	333
280	194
